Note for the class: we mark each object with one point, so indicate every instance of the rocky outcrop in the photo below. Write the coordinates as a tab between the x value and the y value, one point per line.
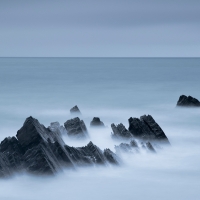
133	147
96	122
75	111
12	152
56	128
76	128
145	129
119	131
41	150
189	101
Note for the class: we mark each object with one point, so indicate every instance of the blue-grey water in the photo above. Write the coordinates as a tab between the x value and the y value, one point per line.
113	89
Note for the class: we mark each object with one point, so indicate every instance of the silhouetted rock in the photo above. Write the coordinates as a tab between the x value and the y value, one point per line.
96	122
40	150
146	128
111	157
188	101
75	111
4	166
76	128
119	131
13	151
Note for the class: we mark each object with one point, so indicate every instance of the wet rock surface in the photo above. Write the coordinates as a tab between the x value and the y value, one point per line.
96	122
188	101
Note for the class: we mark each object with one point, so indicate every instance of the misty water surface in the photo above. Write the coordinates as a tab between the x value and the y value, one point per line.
114	90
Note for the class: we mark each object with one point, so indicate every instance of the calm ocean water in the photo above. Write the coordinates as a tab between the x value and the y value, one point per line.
113	89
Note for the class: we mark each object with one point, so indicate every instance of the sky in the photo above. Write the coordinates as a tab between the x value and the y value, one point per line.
106	28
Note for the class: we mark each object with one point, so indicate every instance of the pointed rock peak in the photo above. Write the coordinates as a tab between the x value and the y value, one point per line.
90	144
188	101
96	122
75	110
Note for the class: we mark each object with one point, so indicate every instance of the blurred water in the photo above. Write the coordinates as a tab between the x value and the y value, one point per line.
113	89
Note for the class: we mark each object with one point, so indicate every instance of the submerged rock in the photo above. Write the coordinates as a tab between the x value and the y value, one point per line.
189	101
76	128
150	147
133	147
41	150
75	110
96	122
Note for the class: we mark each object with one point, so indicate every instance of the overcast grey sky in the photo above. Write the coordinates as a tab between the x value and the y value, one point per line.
134	28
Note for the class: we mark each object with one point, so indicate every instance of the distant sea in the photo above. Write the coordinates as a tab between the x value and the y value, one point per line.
113	89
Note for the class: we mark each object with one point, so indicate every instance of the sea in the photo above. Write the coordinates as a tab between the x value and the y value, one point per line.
113	89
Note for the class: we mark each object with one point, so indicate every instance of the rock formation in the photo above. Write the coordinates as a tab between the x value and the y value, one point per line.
55	127
133	147
119	131
189	101
75	111
41	150
76	128
145	129
96	122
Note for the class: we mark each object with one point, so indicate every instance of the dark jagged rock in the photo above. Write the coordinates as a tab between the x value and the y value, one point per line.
139	129
146	128
76	128
13	151
40	150
119	131
111	157
96	122
91	154
4	166
43	148
32	133
189	101
75	111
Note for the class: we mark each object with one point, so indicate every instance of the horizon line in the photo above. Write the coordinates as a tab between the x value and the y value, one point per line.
99	57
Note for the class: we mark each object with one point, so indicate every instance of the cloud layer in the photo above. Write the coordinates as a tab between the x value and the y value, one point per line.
99	28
